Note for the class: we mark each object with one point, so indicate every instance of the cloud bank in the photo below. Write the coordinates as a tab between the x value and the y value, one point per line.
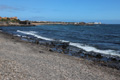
6	7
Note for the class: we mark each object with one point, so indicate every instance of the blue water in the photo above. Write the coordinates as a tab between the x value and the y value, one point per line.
98	38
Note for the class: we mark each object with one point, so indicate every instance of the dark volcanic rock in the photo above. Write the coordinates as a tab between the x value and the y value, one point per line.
99	56
37	42
113	59
50	50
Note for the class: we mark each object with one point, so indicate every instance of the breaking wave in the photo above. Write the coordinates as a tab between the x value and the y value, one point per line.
81	46
33	33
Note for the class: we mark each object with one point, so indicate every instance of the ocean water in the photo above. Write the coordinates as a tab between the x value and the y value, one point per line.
104	39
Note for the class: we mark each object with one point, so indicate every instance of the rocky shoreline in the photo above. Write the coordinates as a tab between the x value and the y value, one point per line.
37	61
65	48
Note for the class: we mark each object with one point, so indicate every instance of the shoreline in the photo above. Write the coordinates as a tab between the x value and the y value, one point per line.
111	61
64	47
27	54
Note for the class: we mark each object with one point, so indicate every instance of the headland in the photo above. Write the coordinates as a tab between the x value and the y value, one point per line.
14	21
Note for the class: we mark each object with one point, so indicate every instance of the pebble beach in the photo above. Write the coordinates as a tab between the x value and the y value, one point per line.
21	60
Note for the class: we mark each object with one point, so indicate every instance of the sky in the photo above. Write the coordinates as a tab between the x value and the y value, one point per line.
105	11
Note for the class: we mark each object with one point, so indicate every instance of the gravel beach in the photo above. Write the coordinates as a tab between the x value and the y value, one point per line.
21	60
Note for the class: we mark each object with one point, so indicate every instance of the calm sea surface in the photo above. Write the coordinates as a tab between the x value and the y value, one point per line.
104	39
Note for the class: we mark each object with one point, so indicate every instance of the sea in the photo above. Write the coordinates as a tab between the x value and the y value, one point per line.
103	39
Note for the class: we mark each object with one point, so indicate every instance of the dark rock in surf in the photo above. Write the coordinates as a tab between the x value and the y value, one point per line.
99	56
65	45
113	59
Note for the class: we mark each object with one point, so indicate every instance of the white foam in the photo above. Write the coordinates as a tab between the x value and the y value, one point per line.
18	35
33	33
64	41
90	48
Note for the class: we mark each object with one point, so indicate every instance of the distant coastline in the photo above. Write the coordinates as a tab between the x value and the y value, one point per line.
14	21
64	23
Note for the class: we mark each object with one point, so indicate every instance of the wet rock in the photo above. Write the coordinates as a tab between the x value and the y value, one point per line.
90	54
52	44
50	50
65	45
12	38
59	44
80	51
66	51
99	56
82	55
118	60
60	51
37	42
113	59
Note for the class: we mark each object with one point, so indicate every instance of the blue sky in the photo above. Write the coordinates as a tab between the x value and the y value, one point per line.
106	11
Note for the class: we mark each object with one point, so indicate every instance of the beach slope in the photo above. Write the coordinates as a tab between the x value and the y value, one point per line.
20	60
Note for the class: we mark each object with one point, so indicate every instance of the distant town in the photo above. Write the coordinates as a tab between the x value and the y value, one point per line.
64	23
14	21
